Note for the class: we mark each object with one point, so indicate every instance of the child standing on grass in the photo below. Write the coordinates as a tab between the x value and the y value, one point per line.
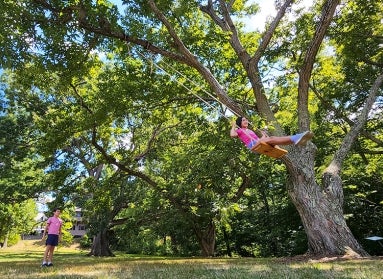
53	230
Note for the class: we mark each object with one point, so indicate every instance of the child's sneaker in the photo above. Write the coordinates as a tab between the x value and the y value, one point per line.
301	139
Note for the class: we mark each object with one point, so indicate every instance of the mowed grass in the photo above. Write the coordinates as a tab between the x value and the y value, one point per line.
24	260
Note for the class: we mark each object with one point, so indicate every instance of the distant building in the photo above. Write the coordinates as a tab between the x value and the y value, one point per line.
78	228
40	220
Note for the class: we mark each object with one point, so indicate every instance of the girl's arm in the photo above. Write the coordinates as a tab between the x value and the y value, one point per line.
46	230
233	131
60	232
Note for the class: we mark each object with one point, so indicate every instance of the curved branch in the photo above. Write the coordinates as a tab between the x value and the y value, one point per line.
340	115
104	29
350	138
135	173
270	31
195	63
331	175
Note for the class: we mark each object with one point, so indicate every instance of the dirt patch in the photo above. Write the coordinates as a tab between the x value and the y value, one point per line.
37	245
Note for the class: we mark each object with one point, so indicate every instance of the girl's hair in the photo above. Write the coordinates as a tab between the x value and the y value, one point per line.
239	122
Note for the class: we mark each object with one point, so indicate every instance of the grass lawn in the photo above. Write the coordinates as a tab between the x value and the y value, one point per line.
24	260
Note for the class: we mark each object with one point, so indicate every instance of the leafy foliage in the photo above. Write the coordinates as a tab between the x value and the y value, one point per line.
136	140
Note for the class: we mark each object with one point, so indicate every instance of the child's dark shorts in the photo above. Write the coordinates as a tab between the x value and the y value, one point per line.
52	240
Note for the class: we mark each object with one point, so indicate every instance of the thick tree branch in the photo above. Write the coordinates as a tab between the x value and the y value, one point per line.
245	184
78	13
340	115
349	139
195	63
208	9
331	176
305	72
253	72
267	35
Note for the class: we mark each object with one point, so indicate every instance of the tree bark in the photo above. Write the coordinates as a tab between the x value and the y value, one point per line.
305	72
321	212
5	243
206	238
227	242
100	245
321	208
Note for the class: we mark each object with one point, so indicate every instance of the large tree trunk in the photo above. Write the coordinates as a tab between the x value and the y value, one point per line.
320	208
100	245
206	239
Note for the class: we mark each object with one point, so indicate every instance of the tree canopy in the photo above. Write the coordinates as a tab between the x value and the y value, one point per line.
127	115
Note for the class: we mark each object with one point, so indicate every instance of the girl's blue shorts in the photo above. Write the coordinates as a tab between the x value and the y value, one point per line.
251	144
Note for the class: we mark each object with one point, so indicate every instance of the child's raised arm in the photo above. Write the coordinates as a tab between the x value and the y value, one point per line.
233	132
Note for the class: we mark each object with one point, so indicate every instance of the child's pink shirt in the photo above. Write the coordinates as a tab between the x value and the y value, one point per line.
246	136
54	225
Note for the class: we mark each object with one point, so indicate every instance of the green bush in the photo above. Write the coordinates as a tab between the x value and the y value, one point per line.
13	239
85	242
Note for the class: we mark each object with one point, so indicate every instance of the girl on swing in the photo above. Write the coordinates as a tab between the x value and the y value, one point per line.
250	139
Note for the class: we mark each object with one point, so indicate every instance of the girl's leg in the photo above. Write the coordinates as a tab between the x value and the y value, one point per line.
50	255
299	139
286	140
46	253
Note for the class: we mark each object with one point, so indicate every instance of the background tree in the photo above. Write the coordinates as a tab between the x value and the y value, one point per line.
21	170
15	220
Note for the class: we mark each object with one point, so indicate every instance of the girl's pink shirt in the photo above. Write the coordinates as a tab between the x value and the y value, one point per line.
246	135
54	225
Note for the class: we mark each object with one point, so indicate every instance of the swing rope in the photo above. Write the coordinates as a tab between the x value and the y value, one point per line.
187	88
190	90
263	148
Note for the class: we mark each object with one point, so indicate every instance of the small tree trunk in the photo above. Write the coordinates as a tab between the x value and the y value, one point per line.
174	244
100	245
227	242
5	243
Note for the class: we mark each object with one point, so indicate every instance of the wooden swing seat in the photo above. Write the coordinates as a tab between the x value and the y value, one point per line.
268	150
